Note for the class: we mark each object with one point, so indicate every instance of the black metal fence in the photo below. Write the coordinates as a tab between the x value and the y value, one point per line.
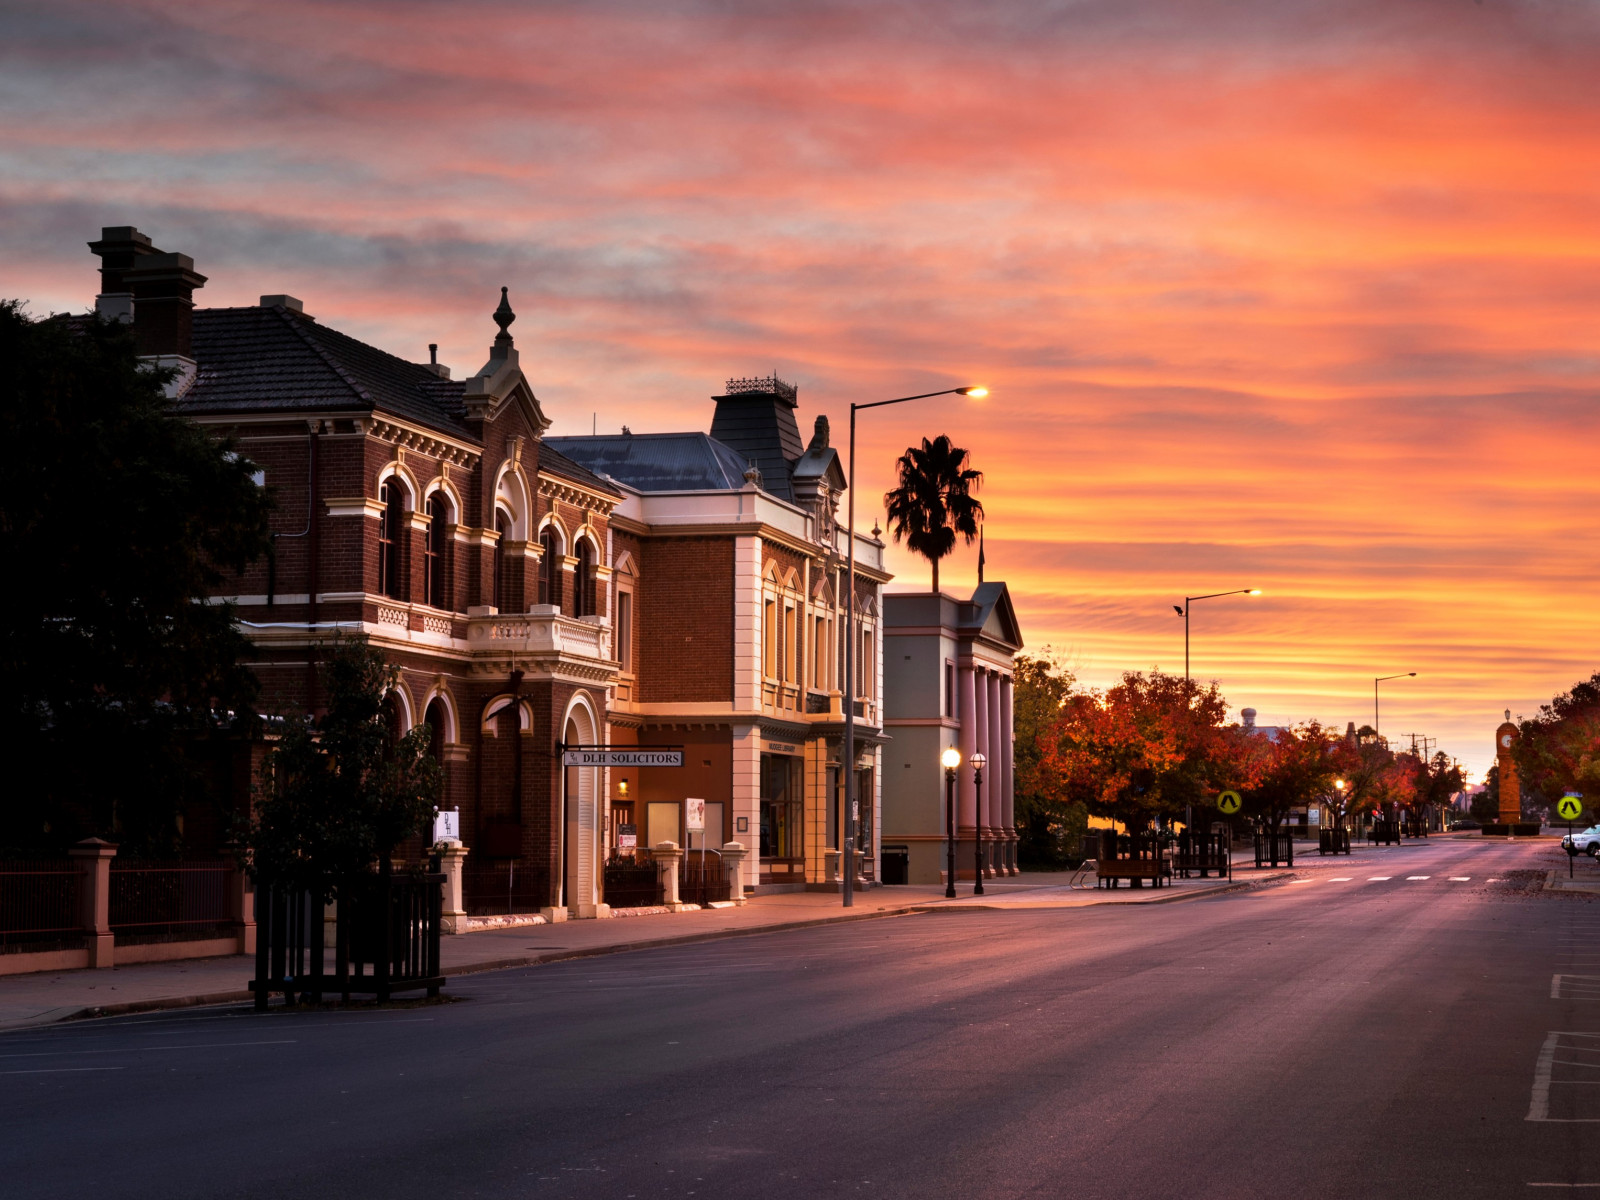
498	887
632	882
702	879
1333	841
1202	853
1275	848
40	904
169	901
1384	833
386	939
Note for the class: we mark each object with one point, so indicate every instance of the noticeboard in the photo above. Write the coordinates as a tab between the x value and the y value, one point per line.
695	815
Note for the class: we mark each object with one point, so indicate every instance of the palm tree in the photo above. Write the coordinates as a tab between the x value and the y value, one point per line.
934	501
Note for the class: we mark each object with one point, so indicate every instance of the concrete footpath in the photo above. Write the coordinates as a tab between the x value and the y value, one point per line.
29	1000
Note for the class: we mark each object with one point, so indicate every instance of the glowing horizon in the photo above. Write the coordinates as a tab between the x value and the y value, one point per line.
1297	297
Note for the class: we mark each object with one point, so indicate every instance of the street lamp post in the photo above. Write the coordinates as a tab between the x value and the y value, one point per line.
951	759
1375	683
1183	611
850	656
978	761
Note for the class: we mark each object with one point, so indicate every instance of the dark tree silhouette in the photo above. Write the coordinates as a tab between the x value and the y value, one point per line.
934	501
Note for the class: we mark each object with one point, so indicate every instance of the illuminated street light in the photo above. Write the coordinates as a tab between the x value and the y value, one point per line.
850	665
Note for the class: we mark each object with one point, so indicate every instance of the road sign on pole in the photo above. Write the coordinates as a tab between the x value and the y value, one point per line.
1229	803
1570	805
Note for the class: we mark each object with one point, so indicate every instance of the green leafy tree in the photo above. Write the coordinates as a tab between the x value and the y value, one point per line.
934	501
118	518
1485	806
1050	824
338	794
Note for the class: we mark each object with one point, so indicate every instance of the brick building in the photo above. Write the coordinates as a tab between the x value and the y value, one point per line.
731	547
529	593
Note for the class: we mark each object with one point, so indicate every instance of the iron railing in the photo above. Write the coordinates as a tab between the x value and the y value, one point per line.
169	901
632	882
702	879
386	939
40	904
502	887
1202	853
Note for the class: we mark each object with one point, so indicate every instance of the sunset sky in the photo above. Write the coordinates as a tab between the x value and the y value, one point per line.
1290	295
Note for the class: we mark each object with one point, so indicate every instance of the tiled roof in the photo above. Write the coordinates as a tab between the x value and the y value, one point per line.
658	462
262	359
553	462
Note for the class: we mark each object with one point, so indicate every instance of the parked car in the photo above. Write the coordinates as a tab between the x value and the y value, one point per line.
1466	823
1586	842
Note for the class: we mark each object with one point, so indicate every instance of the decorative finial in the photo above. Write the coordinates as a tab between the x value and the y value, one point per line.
751	474
819	435
1508	714
877	529
503	316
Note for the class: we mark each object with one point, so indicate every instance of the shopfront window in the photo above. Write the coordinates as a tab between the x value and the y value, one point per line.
782	808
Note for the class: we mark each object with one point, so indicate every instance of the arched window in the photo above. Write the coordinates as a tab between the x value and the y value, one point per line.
438	546
502	591
583	585
391	537
550	568
438	725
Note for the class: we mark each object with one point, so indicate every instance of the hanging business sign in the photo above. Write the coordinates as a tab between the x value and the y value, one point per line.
447	824
605	756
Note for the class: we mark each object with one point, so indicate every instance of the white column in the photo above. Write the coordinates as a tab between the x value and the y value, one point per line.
747	796
747	624
1008	807
966	809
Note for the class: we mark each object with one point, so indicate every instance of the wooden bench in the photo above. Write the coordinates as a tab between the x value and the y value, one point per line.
1155	870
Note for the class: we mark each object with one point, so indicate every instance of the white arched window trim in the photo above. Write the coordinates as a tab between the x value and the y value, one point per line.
452	722
398	470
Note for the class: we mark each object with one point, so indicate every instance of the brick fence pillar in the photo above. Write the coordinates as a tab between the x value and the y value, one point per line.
667	856
94	857
733	854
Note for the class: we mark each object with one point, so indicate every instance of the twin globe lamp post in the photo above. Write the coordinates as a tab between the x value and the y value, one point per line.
951	761
851	666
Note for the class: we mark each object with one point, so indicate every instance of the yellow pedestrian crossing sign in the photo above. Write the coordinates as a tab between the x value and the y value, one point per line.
1229	802
1569	806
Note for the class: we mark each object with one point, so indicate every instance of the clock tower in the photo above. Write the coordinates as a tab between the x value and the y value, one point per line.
1510	790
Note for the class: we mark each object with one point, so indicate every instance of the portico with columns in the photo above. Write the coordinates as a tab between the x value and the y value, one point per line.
948	666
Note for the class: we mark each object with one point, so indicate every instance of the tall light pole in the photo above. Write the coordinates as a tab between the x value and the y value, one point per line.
951	759
1375	683
848	854
1183	611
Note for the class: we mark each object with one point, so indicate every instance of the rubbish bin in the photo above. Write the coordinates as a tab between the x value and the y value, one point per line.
896	864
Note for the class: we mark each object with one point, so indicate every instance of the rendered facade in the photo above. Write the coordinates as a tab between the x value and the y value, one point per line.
948	667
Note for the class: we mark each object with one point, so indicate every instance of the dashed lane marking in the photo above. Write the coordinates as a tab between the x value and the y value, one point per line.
1340	879
1413	878
1465	879
1379	878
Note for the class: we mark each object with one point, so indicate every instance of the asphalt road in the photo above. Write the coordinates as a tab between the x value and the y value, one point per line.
1334	1037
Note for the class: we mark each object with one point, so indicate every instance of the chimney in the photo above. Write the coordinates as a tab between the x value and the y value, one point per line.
282	301
119	248
163	288
434	365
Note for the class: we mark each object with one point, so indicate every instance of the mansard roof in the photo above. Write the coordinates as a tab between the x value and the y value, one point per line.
658	462
253	360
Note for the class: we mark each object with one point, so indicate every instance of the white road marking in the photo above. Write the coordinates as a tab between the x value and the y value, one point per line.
1539	1100
1379	878
148	1049
61	1070
1340	879
1412	878
1466	879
